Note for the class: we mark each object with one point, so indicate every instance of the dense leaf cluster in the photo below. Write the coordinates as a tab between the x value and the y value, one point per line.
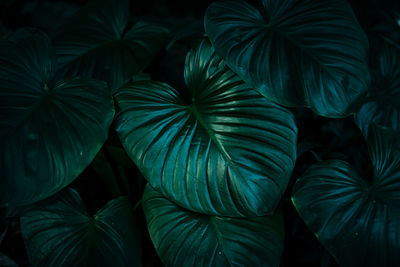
286	120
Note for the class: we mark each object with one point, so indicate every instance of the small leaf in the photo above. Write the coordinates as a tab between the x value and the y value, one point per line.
357	220
185	238
230	152
49	130
96	42
382	105
296	53
59	232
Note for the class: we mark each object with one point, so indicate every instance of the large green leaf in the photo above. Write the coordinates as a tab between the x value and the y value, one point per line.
294	52
49	130
185	238
229	152
357	220
97	42
59	232
382	105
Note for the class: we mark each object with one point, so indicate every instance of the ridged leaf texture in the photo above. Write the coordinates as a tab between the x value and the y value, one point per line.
59	232
357	220
99	42
49	130
294	52
185	238
227	151
382	104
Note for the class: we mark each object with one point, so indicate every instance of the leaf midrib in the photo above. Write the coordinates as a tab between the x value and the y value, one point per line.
221	149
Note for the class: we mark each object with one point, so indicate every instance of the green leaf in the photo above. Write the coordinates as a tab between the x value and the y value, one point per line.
97	42
230	152
185	238
357	220
49	130
382	105
59	232
6	261
296	53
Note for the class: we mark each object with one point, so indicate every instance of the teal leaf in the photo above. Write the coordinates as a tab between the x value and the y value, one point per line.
356	219
185	238
229	152
296	53
382	104
49	130
59	232
98	42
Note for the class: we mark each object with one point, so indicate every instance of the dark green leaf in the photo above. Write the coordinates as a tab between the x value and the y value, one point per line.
382	105
59	232
229	152
96	42
49	131
185	238
296	53
6	261
357	220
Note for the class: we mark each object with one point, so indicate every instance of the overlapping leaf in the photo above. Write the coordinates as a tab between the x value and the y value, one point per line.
49	131
357	220
185	238
229	152
294	52
99	42
59	232
382	104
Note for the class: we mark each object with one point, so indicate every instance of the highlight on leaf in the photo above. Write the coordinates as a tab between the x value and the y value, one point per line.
229	151
186	238
296	53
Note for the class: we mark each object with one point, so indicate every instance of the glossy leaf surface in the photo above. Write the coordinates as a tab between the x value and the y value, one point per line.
357	220
229	152
294	52
382	104
49	131
60	232
97	42
185	238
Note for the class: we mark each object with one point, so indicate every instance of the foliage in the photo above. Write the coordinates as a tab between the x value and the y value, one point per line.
277	145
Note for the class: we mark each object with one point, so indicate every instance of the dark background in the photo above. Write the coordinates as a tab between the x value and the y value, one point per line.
319	138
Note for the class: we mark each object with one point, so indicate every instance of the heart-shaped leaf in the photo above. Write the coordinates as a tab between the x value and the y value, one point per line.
357	220
294	52
185	238
229	152
59	232
382	104
49	131
97	42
